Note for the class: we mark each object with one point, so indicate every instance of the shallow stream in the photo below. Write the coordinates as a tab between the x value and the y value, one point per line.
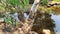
56	18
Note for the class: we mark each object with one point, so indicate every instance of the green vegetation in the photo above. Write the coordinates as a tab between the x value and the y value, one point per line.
12	6
57	0
42	18
9	19
45	2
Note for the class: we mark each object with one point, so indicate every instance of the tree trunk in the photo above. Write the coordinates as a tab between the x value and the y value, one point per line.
35	5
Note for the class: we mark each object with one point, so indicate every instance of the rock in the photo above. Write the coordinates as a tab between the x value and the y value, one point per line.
1	20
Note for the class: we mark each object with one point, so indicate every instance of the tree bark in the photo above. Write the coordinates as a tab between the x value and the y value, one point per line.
35	5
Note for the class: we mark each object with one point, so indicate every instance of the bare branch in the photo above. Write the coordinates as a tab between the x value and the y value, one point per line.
35	5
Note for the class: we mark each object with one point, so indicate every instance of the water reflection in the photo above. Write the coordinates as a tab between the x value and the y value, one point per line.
56	18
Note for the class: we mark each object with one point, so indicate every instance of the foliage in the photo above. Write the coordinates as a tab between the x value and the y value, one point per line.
10	19
8	5
11	6
45	2
57	0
